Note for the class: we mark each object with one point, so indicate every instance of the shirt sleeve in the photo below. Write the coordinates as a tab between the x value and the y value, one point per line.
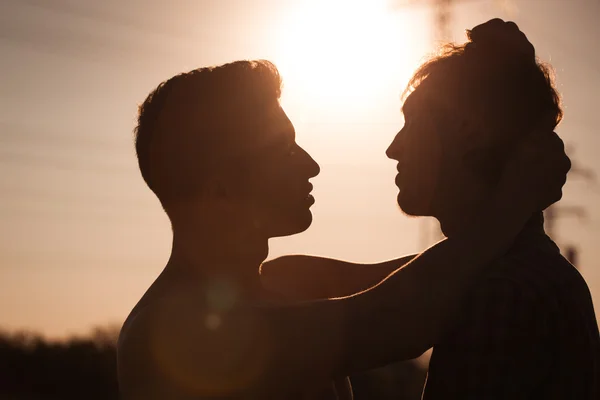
497	349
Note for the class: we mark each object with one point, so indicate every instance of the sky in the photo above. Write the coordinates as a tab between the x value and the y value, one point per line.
82	237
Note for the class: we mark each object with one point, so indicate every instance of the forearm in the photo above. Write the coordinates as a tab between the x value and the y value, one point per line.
428	291
402	316
303	278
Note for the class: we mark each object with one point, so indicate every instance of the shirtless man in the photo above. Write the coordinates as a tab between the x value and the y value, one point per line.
219	152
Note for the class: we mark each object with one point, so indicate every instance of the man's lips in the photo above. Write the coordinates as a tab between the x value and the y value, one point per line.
401	171
310	200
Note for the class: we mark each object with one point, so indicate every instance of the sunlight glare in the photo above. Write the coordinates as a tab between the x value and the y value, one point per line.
343	55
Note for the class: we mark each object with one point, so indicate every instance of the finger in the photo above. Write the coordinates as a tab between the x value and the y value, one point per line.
546	123
566	164
557	139
495	23
558	197
512	25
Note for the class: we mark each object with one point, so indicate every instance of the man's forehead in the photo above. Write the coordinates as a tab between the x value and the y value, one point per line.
277	126
268	127
418	101
447	113
409	103
434	103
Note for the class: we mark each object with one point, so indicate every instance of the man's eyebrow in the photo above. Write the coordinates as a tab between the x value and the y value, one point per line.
287	134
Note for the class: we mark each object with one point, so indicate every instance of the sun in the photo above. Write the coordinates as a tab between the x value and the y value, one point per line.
343	54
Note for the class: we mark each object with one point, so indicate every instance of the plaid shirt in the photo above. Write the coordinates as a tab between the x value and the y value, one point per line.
528	332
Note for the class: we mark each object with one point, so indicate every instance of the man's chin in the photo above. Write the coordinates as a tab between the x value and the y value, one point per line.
291	226
413	208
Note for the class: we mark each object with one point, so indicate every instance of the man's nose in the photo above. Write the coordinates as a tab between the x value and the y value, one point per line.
394	148
312	168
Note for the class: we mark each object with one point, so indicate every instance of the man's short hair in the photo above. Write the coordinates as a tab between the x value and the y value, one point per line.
193	123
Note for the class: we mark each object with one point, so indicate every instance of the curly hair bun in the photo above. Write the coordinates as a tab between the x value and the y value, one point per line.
497	35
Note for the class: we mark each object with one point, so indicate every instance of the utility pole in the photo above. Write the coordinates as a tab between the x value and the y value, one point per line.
442	19
442	16
555	211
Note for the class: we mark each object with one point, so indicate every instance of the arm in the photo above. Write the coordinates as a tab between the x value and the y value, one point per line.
498	350
303	278
402	316
396	320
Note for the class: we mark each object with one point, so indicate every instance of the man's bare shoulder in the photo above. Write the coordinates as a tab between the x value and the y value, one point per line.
181	340
184	312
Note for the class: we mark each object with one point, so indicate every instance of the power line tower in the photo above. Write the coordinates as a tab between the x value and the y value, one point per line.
443	13
555	211
442	16
442	21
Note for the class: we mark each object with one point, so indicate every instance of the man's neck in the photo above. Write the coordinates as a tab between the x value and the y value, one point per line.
227	255
453	223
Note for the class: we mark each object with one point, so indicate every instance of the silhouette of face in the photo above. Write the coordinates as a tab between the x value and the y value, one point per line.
433	178
276	185
417	149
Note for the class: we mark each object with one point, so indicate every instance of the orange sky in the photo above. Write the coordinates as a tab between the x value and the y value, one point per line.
82	237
